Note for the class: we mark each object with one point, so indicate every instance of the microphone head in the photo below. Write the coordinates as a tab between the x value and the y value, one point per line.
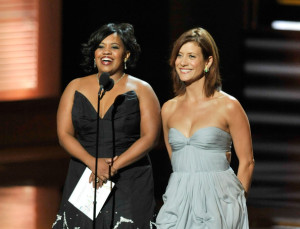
104	79
110	85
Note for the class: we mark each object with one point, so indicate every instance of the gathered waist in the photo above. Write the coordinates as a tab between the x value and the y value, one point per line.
200	171
198	161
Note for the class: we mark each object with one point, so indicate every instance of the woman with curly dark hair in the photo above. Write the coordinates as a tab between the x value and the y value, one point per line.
129	125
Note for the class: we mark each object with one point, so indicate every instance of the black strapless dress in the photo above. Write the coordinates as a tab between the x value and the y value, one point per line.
131	203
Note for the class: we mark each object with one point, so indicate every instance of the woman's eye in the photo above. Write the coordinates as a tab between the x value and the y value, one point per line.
192	56
100	46
115	47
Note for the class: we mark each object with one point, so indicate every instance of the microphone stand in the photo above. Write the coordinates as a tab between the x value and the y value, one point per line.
100	96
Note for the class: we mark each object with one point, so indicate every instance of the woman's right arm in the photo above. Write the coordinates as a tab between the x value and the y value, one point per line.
165	114
66	135
65	128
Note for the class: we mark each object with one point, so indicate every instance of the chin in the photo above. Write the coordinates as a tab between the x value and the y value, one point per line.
185	79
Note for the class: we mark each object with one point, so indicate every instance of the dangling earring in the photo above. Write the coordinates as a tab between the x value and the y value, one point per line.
125	67
95	65
206	70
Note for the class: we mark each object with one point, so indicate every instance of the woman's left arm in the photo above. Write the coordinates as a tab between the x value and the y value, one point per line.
150	127
241	135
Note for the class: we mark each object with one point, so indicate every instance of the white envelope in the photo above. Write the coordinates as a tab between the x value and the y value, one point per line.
82	196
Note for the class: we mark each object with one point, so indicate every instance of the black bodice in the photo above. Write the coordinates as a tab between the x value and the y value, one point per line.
118	129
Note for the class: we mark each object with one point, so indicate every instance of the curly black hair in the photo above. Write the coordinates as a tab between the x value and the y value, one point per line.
124	30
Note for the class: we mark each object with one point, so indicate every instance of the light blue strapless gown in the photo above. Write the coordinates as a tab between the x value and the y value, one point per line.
203	191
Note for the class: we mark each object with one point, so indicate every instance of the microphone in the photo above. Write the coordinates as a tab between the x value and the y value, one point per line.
106	83
110	85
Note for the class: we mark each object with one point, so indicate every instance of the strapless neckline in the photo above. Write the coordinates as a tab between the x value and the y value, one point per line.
200	130
110	107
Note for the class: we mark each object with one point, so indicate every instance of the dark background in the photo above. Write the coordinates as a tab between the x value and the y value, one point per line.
156	28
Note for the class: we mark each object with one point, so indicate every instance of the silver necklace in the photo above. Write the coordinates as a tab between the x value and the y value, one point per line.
120	78
98	78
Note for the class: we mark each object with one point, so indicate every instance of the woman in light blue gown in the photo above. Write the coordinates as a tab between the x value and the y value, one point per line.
200	124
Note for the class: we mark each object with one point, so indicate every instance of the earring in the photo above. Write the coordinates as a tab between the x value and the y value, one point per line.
95	65
206	70
125	67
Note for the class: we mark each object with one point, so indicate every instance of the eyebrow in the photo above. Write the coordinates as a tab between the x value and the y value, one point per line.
191	53
111	43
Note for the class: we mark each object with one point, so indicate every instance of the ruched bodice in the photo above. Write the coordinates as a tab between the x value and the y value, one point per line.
196	153
206	138
203	192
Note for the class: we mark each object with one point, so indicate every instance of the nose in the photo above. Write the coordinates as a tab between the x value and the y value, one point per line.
106	51
183	61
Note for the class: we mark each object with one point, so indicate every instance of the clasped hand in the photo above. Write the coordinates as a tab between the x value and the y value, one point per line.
105	167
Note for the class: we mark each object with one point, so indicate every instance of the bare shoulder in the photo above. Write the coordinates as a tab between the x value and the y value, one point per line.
78	83
169	106
142	88
230	104
72	86
138	84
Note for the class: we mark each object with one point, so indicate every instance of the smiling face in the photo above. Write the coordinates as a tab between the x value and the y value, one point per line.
110	55
190	62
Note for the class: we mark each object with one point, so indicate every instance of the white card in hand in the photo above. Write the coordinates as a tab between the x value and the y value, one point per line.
82	196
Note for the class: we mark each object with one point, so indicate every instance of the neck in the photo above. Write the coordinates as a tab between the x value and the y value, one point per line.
195	90
117	75
114	76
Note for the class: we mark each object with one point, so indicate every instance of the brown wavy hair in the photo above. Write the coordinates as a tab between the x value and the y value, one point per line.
209	48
